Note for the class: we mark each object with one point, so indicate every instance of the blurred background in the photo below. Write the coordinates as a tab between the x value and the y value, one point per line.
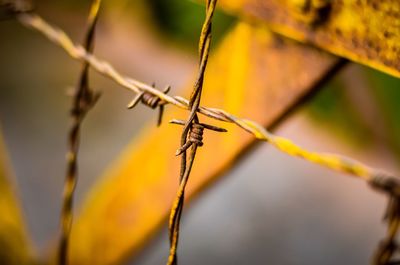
309	216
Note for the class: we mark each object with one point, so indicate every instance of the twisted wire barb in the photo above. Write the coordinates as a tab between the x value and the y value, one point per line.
83	101
194	130
151	101
377	179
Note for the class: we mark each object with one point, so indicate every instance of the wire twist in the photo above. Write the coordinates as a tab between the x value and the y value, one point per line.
194	140
192	134
195	135
83	101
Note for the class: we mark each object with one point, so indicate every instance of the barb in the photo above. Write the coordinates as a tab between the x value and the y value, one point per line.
151	101
331	161
192	134
84	99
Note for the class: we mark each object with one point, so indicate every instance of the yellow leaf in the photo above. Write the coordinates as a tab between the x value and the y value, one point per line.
366	32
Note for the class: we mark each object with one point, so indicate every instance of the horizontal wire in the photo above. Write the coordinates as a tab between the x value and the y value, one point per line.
377	178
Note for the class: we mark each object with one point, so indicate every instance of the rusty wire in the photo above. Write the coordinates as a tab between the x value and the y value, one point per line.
377	179
192	134
83	100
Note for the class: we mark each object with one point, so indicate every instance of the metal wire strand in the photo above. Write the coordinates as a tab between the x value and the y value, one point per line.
83	101
195	140
192	134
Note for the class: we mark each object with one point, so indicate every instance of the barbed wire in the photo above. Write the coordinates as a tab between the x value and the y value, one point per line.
192	134
377	179
332	161
83	100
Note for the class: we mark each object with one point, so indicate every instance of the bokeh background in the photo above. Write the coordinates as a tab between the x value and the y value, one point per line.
271	209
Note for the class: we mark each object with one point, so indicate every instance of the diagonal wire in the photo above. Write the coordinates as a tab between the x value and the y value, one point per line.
83	101
332	161
187	162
